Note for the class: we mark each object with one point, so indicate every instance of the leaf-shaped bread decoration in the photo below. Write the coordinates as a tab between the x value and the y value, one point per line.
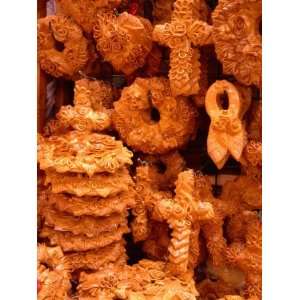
237	143
218	152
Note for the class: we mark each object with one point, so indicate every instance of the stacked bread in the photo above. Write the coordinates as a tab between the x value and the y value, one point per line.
89	186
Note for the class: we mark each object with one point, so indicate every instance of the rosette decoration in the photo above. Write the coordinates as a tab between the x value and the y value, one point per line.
53	274
84	12
183	32
89	189
237	38
227	134
182	213
147	280
233	236
123	40
155	179
91	111
149	119
62	48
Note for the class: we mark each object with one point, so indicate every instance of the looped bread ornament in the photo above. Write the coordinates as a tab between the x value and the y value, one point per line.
184	30
133	119
227	134
237	39
123	40
74	55
84	12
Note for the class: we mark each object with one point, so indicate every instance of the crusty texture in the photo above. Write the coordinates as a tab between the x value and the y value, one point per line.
236	210
92	107
82	153
69	242
247	255
183	214
84	12
155	205
185	30
93	206
123	40
235	198
53	274
151	187
146	280
237	39
86	225
55	127
103	184
132	117
91	111
75	54
83	118
94	93
172	164
93	260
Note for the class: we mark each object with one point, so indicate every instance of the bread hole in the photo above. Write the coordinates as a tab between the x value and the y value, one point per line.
223	101
161	167
155	115
59	46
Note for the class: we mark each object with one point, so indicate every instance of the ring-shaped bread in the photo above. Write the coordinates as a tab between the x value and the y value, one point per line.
237	39
150	120
62	48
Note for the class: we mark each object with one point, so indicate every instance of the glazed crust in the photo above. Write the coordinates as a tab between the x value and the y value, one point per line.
69	242
75	54
81	152
183	214
184	31
103	184
96	94
247	255
227	134
152	185
83	118
93	260
235	198
91	111
146	280
237	39
132	117
93	206
53	274
84	12
86	225
123	40
172	164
